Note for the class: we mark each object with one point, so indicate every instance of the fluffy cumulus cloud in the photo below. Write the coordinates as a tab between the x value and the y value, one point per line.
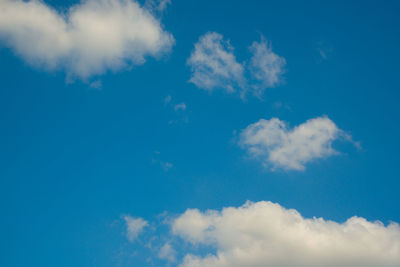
214	66
89	39
266	234
134	227
281	147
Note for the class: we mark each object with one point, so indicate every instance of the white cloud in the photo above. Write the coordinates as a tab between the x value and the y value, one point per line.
134	226
167	252
91	38
276	145
180	106
266	234
214	65
266	67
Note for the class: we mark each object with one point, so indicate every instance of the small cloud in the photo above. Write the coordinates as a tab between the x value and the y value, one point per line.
167	99
281	105
180	106
166	166
322	53
134	227
324	50
266	67
214	65
96	85
167	252
291	149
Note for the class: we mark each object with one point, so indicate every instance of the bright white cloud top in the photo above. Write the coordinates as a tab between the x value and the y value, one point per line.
91	38
278	146
214	66
266	234
134	227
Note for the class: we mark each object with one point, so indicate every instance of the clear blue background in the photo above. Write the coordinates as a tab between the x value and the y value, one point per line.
73	159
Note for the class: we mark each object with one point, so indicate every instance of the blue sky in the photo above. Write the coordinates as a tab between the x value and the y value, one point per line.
76	159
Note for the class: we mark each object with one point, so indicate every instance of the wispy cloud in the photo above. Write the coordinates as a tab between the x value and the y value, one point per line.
180	106
167	99
91	38
167	252
157	5
166	166
324	50
265	66
97	84
134	227
214	66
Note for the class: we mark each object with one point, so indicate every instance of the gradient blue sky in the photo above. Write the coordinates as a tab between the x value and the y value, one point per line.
73	159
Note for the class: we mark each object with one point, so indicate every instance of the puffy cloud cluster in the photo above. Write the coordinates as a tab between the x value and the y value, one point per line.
266	234
277	145
214	66
91	38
